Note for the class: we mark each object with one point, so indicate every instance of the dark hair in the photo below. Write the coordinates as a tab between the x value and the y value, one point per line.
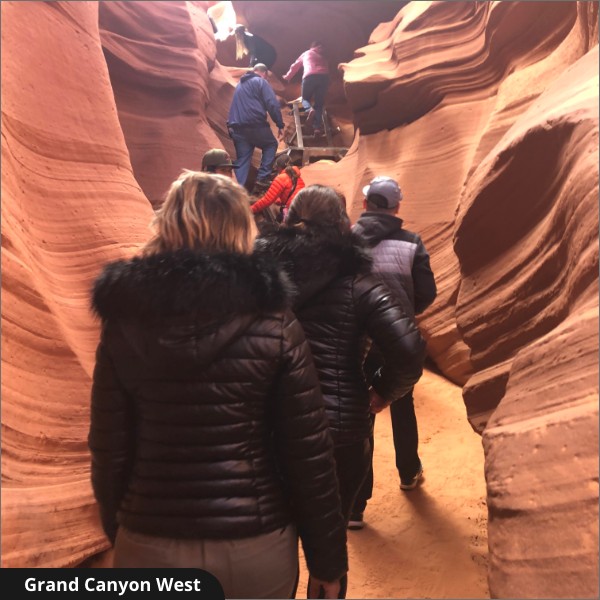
319	207
342	198
324	51
284	163
377	201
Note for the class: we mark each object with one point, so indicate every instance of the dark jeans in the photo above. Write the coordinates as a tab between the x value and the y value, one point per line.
406	443
245	141
315	86
352	462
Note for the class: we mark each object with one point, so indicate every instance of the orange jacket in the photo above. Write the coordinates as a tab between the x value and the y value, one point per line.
279	191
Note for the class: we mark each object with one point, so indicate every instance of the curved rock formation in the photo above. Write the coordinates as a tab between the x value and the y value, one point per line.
528	309
487	115
161	60
69	204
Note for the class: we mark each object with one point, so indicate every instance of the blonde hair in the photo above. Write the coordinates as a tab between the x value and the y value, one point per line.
203	212
240	44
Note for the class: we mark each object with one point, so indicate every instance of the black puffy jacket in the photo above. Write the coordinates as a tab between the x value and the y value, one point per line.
207	418
341	306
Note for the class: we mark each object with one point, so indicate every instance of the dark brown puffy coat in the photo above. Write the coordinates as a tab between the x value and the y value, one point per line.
207	418
341	306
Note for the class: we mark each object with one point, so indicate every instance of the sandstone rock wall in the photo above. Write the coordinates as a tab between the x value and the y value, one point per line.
69	204
161	60
528	309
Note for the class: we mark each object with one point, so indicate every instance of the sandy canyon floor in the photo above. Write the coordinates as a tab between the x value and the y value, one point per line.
430	542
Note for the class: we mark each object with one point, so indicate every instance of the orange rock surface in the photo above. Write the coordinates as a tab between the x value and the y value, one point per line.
161	61
69	204
487	113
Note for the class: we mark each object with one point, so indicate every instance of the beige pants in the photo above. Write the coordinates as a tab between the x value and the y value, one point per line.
265	566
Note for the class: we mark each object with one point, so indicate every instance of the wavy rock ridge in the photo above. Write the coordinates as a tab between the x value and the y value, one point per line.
69	203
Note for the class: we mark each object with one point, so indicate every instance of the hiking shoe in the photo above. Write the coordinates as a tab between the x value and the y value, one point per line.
411	484
318	133
356	521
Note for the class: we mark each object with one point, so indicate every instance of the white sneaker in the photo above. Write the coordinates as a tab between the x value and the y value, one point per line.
356	521
411	484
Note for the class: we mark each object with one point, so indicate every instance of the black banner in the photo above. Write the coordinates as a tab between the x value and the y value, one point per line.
36	584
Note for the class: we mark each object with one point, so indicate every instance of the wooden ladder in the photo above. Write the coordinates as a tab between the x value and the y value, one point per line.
300	140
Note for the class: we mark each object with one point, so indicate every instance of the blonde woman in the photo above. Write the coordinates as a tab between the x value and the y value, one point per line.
208	436
260	50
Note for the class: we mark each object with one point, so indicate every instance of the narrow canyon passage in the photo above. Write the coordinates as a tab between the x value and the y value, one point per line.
430	542
486	113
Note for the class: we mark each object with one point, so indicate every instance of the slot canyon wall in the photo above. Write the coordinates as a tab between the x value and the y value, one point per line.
487	113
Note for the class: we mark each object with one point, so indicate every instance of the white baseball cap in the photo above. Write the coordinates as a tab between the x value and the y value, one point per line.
387	188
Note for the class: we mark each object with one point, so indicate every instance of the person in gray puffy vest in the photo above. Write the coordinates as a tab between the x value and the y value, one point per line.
402	262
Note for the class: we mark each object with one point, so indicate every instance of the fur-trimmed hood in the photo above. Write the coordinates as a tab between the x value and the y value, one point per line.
313	260
183	282
184	308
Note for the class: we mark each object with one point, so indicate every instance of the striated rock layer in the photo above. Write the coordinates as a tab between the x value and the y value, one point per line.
434	151
528	309
487	115
161	60
69	204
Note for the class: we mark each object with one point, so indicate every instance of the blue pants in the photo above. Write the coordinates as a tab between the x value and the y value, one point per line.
315	86
245	140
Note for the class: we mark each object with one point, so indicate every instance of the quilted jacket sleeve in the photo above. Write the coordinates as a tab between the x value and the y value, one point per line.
396	336
423	279
110	439
305	452
273	194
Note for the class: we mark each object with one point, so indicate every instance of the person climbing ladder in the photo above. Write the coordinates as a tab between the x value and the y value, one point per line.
315	81
248	127
260	50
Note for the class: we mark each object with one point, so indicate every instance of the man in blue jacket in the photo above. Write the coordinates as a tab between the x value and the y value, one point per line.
248	127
